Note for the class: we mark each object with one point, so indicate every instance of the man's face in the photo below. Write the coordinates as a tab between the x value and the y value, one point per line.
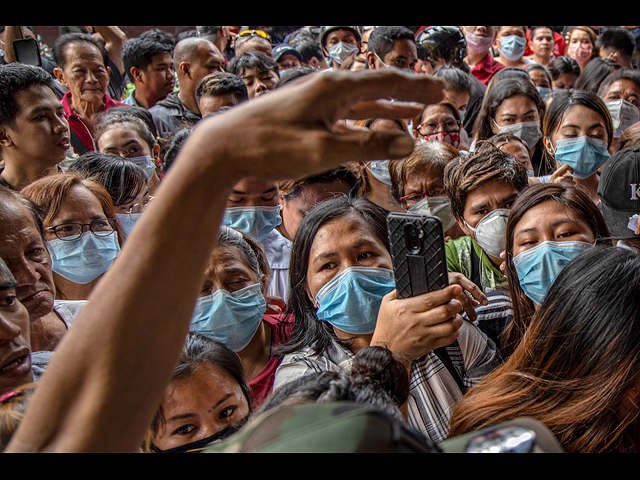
159	77
209	60
15	351
26	256
85	73
40	131
403	56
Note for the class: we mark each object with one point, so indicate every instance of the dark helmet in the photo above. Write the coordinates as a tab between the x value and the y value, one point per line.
327	30
444	43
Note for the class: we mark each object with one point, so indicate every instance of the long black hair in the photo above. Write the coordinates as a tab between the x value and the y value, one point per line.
308	330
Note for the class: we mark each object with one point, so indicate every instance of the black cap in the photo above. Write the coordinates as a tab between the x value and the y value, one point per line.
619	191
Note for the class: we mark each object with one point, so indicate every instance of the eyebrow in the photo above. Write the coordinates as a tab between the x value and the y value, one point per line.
555	225
595	125
482	206
507	114
362	243
271	190
191	415
8	285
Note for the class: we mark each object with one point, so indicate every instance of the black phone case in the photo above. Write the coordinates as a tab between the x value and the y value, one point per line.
418	270
27	51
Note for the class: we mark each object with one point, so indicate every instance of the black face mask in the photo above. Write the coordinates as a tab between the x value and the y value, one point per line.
200	445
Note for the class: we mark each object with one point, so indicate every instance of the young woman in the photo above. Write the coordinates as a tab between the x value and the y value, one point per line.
126	182
514	106
344	300
576	369
208	374
548	225
578	132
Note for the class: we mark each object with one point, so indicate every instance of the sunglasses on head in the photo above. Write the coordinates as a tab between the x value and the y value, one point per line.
255	33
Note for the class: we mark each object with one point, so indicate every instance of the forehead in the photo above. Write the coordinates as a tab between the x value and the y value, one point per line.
118	136
626	86
342	232
16	223
79	53
37	97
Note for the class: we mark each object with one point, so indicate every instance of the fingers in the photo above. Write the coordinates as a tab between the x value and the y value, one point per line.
469	286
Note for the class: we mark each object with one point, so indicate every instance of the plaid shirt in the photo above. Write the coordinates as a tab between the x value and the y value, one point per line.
434	392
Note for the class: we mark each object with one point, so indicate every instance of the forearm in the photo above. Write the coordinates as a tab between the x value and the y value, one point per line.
11	34
103	381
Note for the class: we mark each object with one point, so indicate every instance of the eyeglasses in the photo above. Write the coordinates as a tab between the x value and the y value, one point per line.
70	232
449	126
255	33
411	200
139	207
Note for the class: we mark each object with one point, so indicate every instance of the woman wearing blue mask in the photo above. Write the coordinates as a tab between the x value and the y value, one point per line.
234	309
549	226
578	132
576	370
126	182
343	300
83	234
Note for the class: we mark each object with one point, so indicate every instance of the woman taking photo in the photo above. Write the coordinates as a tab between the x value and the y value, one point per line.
344	300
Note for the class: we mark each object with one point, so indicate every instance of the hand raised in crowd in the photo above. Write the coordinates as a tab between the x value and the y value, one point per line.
116	349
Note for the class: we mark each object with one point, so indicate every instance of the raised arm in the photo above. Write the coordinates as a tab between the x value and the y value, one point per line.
109	373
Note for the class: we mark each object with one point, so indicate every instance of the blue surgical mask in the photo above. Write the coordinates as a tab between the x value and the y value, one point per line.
539	267
585	155
127	221
257	222
380	170
230	318
351	301
146	163
84	260
513	47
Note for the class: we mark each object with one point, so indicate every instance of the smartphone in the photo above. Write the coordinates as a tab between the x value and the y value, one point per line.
418	253
27	51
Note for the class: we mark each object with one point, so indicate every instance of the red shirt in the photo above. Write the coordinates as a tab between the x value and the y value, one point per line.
262	385
76	124
486	69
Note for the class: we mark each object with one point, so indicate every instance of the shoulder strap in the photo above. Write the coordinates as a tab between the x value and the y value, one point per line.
476	268
444	357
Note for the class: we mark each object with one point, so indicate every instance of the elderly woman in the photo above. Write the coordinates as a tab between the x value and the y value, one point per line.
81	228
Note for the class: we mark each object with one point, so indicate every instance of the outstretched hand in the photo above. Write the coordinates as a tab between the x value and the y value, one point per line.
297	130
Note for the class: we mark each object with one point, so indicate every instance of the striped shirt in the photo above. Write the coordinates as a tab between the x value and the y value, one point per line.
434	391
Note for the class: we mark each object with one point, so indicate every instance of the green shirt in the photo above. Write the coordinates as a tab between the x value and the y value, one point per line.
459	260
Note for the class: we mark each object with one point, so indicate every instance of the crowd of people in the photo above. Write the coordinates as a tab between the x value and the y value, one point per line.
193	232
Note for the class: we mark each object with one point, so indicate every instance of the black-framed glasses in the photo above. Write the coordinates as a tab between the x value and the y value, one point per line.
70	232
